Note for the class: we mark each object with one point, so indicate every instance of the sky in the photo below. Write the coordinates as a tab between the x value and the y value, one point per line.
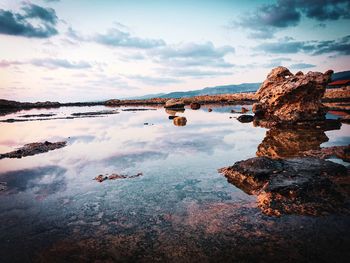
88	50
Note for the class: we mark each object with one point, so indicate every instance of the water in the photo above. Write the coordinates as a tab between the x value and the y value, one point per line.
181	209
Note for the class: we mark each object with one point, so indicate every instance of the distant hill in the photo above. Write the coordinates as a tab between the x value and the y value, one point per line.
341	75
227	89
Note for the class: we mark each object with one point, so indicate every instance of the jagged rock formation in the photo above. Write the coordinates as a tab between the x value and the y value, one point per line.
284	97
306	186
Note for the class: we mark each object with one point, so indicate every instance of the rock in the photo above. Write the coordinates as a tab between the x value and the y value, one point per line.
210	109
341	152
245	118
95	113
306	186
284	97
195	106
243	110
112	102
33	149
100	178
173	112
284	143
180	121
174	104
3	186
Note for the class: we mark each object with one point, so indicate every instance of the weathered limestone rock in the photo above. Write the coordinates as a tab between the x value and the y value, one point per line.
284	97
292	186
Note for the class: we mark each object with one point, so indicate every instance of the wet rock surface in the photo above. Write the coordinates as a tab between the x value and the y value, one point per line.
341	152
180	121
100	178
305	186
33	149
284	97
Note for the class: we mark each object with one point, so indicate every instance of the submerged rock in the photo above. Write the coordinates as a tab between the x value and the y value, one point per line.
33	149
284	97
100	178
174	104
180	121
291	186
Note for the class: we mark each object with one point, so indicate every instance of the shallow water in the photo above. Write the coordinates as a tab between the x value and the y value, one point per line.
181	209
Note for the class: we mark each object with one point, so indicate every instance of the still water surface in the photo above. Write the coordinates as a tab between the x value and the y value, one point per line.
181	209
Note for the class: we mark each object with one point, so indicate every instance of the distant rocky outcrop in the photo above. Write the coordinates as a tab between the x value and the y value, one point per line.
284	97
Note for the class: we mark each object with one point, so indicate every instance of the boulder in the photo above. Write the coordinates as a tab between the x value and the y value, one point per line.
174	104
195	106
284	97
306	186
180	121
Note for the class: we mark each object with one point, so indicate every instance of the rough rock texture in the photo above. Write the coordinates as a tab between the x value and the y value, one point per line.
33	149
284	97
174	104
292	186
180	121
341	152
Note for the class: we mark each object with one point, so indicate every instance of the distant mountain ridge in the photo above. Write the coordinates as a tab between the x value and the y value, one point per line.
341	75
226	89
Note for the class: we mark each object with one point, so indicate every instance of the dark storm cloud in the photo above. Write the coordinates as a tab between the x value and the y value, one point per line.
269	18
340	47
20	24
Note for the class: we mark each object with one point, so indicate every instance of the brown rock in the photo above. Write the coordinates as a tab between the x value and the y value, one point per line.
180	121
174	104
195	106
284	97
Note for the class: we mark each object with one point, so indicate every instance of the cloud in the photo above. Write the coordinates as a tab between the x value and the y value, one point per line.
269	18
301	66
192	59
22	24
7	63
340	46
194	73
52	63
157	81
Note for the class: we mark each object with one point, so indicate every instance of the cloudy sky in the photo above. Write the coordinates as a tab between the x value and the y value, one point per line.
84	50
